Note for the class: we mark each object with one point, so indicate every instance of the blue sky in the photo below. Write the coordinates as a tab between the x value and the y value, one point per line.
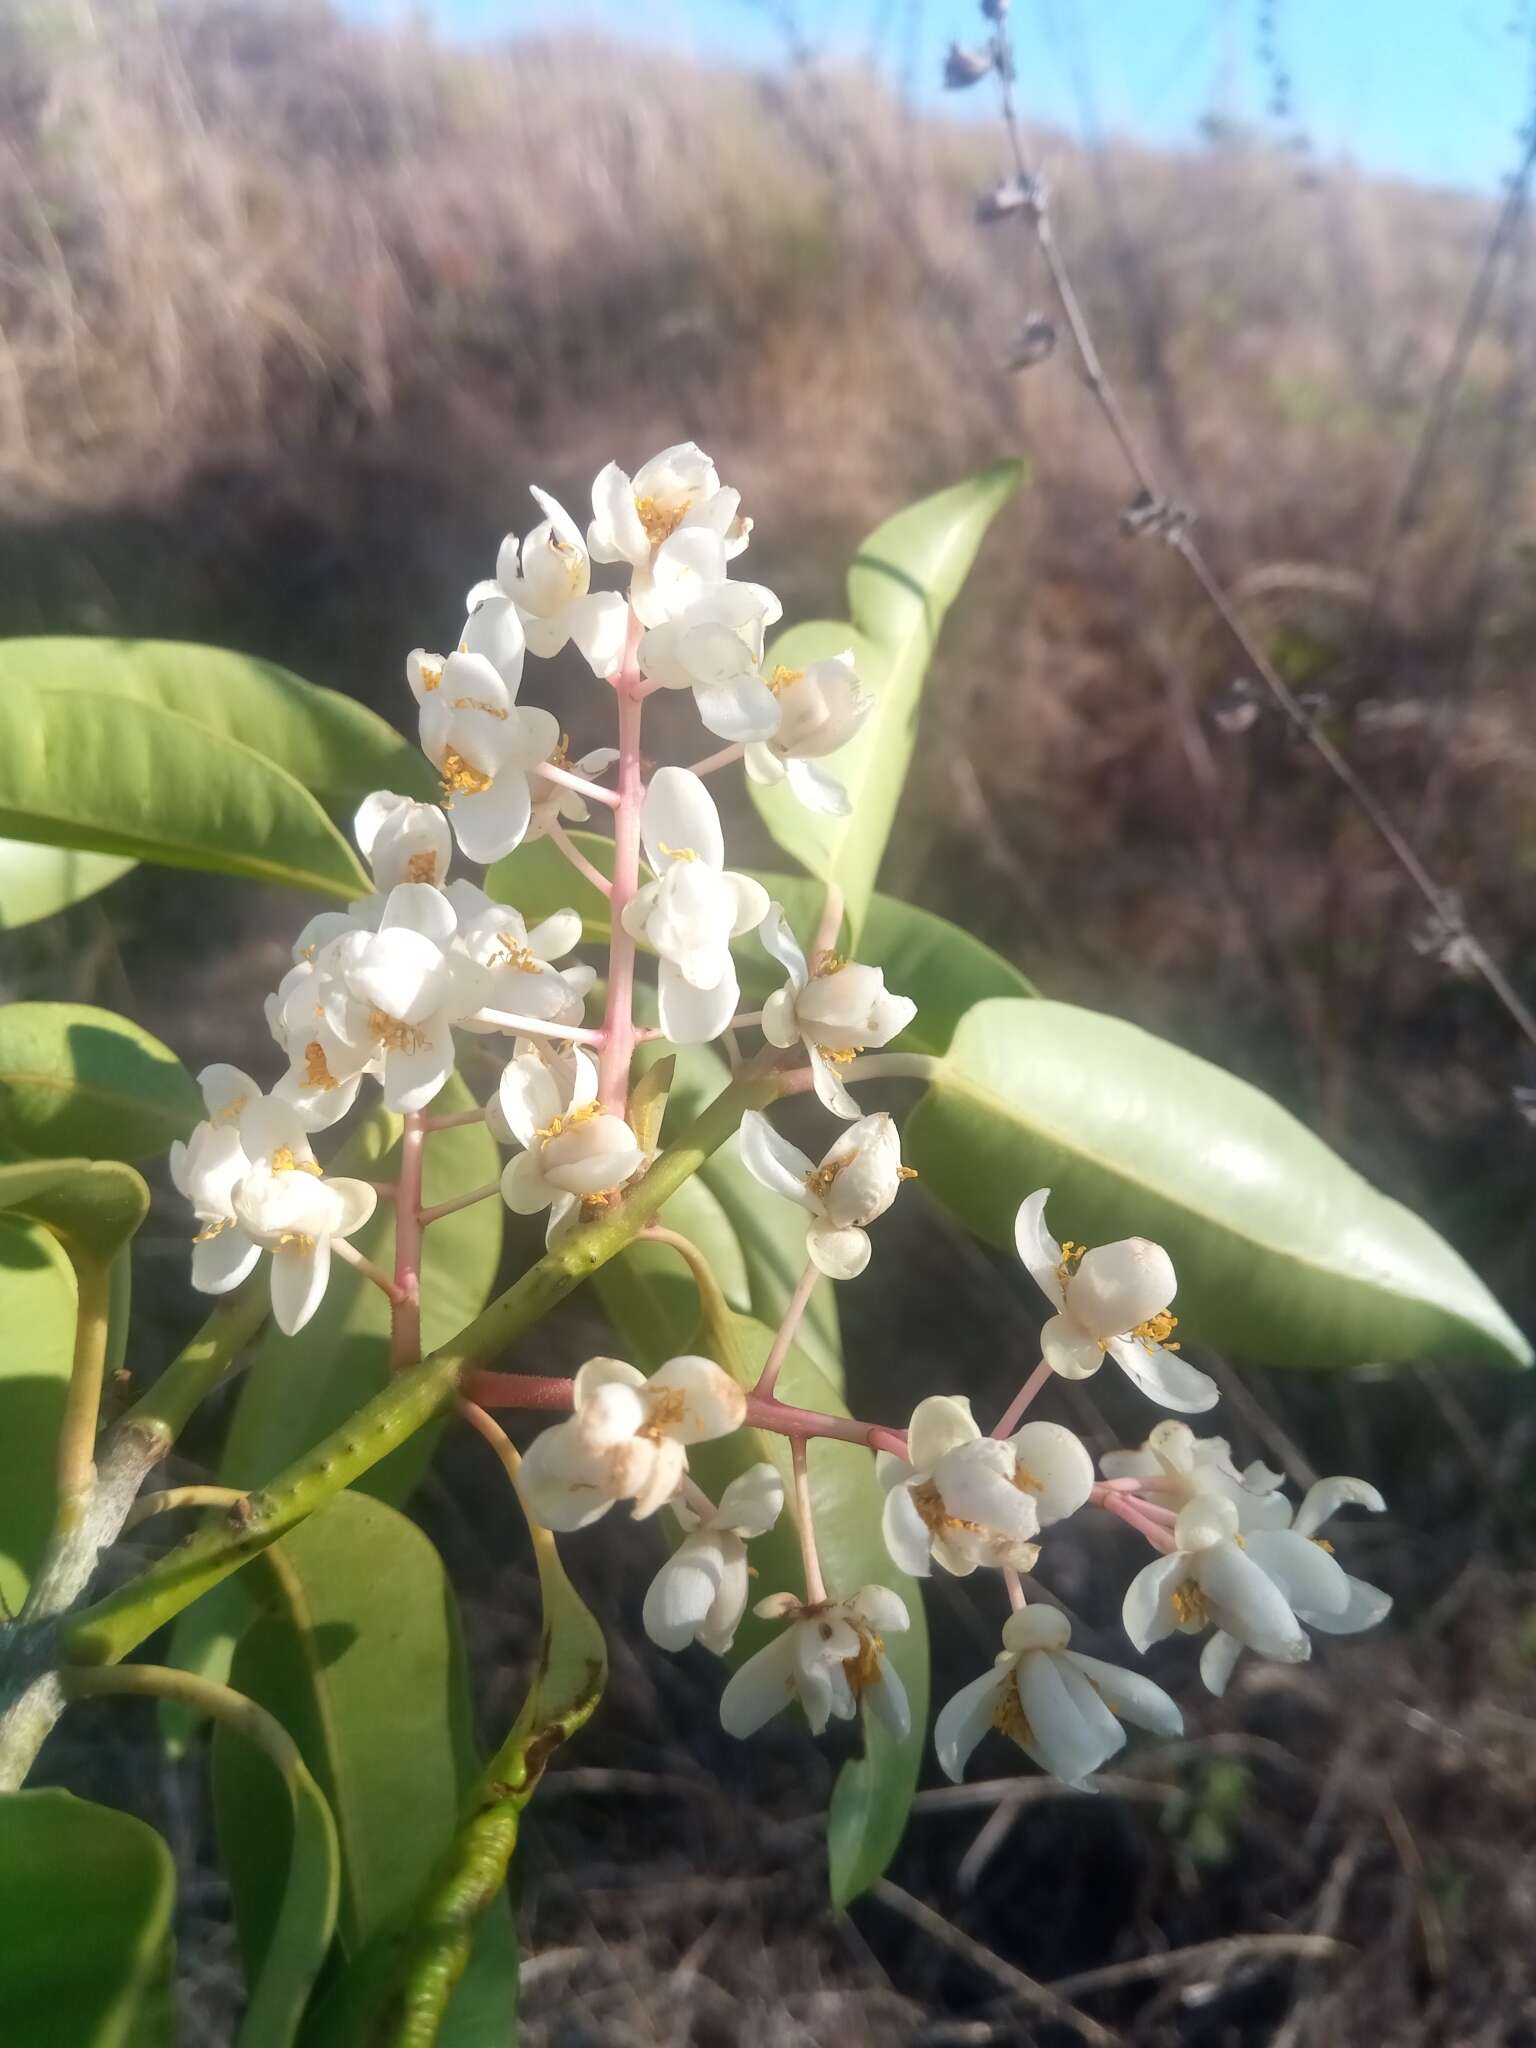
1431	89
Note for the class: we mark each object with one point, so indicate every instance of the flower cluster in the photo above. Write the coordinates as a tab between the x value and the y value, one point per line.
378	992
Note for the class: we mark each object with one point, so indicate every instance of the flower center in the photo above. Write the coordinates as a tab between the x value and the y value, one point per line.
299	1238
820	1178
459	779
421	867
839	1055
779	679
283	1161
666	1409
675	852
1072	1256
1157	1330
515	954
865	1669
660	521
230	1113
431	673
568	1119
316	1073
929	1503
1008	1715
390	1032
828	963
1191	1609
478	704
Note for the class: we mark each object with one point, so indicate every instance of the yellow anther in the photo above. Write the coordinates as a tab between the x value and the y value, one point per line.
839	1055
906	1173
1072	1256
1157	1330
666	1408
779	679
478	704
459	778
660	521
230	1113
675	852
431	673
827	963
316	1073
820	1178
1008	1715
283	1161
390	1032
515	954
1191	1609
568	1120
214	1229
421	867
864	1670
1323	1544
301	1238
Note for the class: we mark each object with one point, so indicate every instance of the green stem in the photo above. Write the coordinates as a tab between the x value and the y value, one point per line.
107	1631
82	1403
168	1406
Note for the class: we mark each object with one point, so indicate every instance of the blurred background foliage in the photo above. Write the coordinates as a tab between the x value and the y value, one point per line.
292	311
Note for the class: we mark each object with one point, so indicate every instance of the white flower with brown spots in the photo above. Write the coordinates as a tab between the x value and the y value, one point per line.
836	1008
627	1438
961	1499
831	1658
1111	1302
1064	1710
856	1181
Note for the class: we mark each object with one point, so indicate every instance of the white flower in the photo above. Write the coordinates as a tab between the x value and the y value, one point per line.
290	1209
634	518
700	1593
694	908
388	1000
484	745
965	1499
838	1011
627	1438
322	1079
1112	1300
820	709
1064	1710
574	1151
207	1169
1217	1576
549	583
1300	1563
707	635
855	1183
401	841
831	1657
514	969
1174	1465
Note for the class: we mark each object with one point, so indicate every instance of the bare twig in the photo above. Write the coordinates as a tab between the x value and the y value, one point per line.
1215	1958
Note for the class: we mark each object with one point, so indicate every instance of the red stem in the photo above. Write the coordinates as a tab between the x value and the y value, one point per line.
619	1020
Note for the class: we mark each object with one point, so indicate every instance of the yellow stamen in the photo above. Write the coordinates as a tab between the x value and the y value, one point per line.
230	1113
1008	1715
515	954
906	1173
568	1119
283	1161
421	867
214	1229
459	779
779	679
865	1670
839	1055
1157	1330
1323	1544
666	1408
1072	1256
675	852
824	964
477	704
300	1238
660	521
431	673
1191	1609
316	1073
820	1178
390	1032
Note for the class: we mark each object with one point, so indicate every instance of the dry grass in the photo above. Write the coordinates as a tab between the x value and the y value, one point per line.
289	316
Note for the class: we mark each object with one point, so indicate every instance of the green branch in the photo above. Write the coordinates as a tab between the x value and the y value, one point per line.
110	1629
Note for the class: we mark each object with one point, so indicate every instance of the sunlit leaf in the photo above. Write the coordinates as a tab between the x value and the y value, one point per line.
38	881
78	1081
37	1310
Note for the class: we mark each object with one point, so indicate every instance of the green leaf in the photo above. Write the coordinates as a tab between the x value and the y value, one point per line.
93	1205
85	1900
333	745
37	881
114	776
80	1081
873	1794
285	1876
942	968
298	1389
37	1310
1284	1253
901	583
358	1654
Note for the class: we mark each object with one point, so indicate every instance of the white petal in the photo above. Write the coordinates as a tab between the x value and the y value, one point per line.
1366	1606
1069	1350
529	1096
830	1091
1132	1697
491	823
1324	1500
400	973
772	1161
840	1254
356	1201
718	1631
1036	1628
679	815
1147	1613
561	1482
1163	1376
222	1261
940	1423
1054	1467
763	1687
226	1089
1217	1661
1120	1285
605	1372
963	1721
616	534
886	1699
884	1611
523	1186
1100	1726
1311	1580
762	764
419	907
905	1533
779	941
1249	1605
299	1276
739	710
751	904
1037	1248
816	789
781	1027
753	1501
694	1016
598	624
495	630
1069	1746
712	1404
660	1474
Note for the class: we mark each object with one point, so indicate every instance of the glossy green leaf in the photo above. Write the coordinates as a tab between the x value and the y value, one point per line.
873	1794
93	1205
333	745
86	1896
298	1389
38	881
358	1654
285	1874
900	584
942	968
1284	1253
78	1081
37	1311
113	776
